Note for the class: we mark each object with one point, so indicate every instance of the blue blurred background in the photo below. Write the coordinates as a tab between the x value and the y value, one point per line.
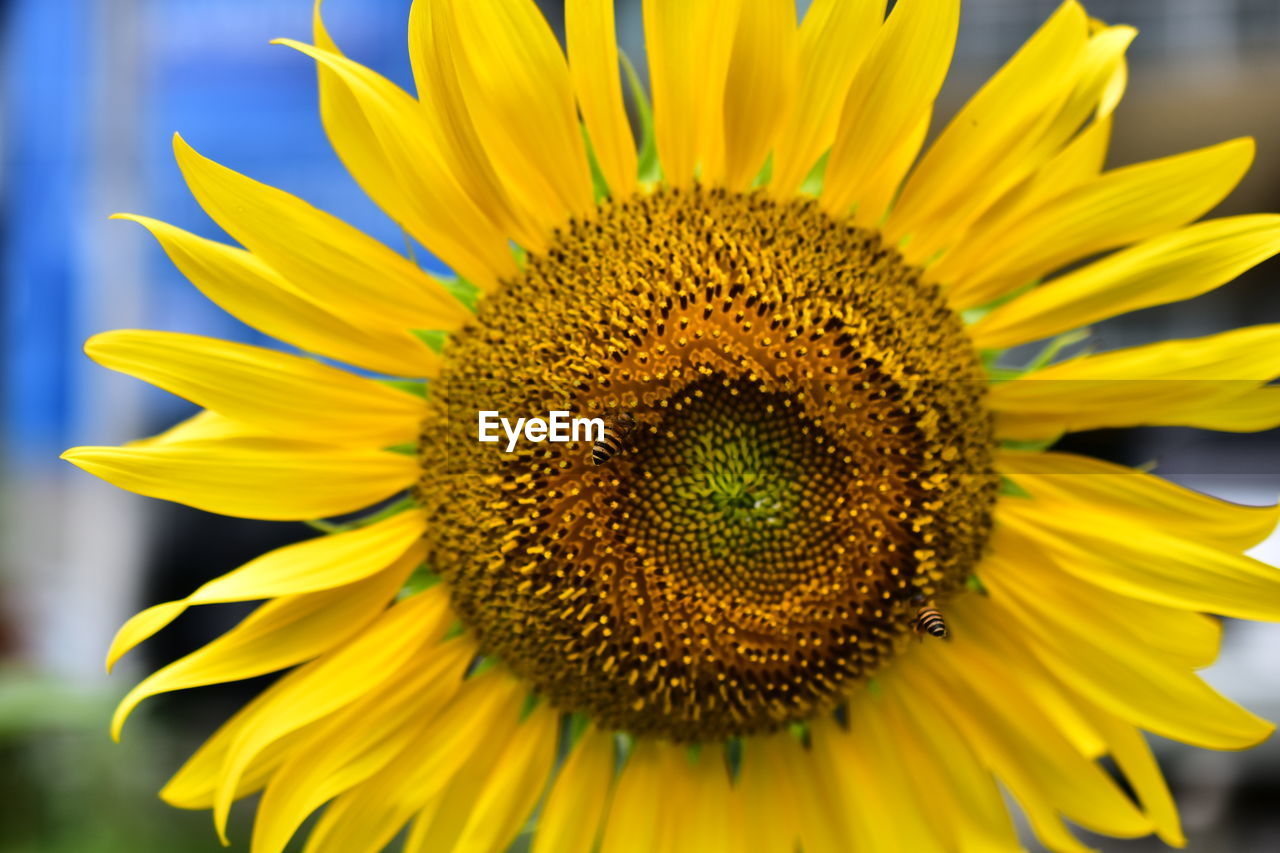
90	94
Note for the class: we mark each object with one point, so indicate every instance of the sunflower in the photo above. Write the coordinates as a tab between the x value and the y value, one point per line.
709	642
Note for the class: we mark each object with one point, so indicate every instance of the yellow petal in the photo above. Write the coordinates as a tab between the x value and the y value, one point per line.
1189	639
764	799
947	774
282	393
876	786
1093	91
654	777
570	821
829	813
688	46
1064	482
1022	745
1133	756
894	87
1157	566
481	719
356	743
1164	269
991	135
518	91
437	825
1018	775
252	743
513	788
1254	411
244	286
202	426
316	564
1077	638
334	264
279	634
835	37
715	28
1079	162
267	478
352	670
701	821
436	61
195	784
1154	384
761	84
383	138
1120	207
592	45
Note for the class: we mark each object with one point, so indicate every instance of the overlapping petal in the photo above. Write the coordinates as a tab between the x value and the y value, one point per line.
593	62
762	78
281	633
317	564
1179	265
277	392
1160	566
516	84
334	264
268	478
1165	383
893	88
1119	207
243	285
835	36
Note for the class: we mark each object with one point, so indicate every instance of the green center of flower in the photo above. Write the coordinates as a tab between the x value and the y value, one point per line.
810	452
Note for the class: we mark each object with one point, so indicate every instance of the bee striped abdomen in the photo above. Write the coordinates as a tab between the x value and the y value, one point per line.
615	429
604	449
929	621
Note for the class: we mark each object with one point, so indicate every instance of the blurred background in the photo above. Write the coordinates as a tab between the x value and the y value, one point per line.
90	93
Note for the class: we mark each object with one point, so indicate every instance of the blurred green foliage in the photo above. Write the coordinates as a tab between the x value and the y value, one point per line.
66	788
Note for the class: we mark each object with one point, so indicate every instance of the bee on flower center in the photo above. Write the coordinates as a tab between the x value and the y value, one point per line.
616	429
929	621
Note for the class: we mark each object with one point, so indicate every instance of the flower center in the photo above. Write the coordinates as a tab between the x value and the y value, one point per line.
810	452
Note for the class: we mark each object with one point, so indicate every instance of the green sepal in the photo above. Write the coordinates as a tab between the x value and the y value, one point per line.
462	290
421	580
812	183
765	174
409	386
973	315
1050	353
481	665
409	448
531	701
1034	444
433	338
1046	357
649	169
407	502
733	758
975	584
1011	489
599	186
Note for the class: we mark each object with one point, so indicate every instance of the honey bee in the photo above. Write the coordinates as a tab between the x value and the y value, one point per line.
929	620
616	429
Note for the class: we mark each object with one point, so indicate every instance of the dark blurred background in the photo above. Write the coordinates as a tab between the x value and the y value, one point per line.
90	93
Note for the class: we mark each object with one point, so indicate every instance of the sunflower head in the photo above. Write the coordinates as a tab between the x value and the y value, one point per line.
824	586
813	452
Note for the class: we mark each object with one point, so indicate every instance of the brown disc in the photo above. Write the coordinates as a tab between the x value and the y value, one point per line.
810	451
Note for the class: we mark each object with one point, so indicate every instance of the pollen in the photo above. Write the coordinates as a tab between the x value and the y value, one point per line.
810	453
